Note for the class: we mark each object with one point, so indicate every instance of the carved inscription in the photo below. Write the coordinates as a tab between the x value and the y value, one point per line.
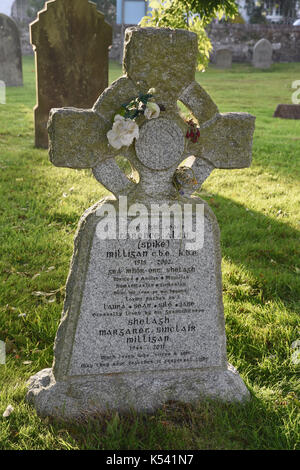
144	306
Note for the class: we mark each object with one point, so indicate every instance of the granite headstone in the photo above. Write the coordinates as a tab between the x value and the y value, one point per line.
223	58
10	53
262	54
143	319
71	40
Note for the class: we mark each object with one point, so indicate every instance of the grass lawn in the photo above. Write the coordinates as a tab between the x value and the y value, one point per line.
258	210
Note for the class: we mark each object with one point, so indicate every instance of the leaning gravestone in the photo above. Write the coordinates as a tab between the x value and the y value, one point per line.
70	39
143	319
223	58
10	53
262	54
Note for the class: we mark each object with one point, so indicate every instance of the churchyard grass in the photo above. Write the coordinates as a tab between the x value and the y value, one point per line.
258	210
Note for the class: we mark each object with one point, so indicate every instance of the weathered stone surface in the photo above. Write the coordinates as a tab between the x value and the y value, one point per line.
224	151
145	391
223	58
71	40
147	63
10	53
287	111
143	320
262	54
199	102
65	125
96	370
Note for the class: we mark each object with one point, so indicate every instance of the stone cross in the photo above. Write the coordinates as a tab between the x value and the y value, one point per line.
70	39
225	141
143	319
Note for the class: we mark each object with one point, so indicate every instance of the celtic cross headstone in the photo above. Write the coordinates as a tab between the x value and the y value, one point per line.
143	319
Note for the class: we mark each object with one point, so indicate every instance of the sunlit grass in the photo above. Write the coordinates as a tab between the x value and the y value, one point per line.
258	210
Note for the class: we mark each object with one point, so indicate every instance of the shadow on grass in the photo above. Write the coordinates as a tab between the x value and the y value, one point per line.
266	247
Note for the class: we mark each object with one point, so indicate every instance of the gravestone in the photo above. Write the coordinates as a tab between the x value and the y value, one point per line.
262	54
287	111
10	53
70	39
223	58
143	319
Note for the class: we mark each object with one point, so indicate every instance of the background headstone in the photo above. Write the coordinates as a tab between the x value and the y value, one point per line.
10	53
262	54
143	320
71	40
288	111
223	58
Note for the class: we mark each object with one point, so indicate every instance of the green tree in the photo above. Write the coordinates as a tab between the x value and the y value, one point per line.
193	15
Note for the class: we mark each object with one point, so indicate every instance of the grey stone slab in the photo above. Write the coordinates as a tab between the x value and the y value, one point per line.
223	58
262	54
10	53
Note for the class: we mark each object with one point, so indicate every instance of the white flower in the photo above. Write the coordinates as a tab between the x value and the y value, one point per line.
8	411
123	132
152	111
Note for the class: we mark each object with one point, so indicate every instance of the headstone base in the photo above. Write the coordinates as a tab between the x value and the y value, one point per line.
142	392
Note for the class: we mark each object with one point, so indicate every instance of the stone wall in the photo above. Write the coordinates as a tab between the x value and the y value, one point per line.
241	38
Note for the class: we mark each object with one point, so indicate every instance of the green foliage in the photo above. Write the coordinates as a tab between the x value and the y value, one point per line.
135	107
193	15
